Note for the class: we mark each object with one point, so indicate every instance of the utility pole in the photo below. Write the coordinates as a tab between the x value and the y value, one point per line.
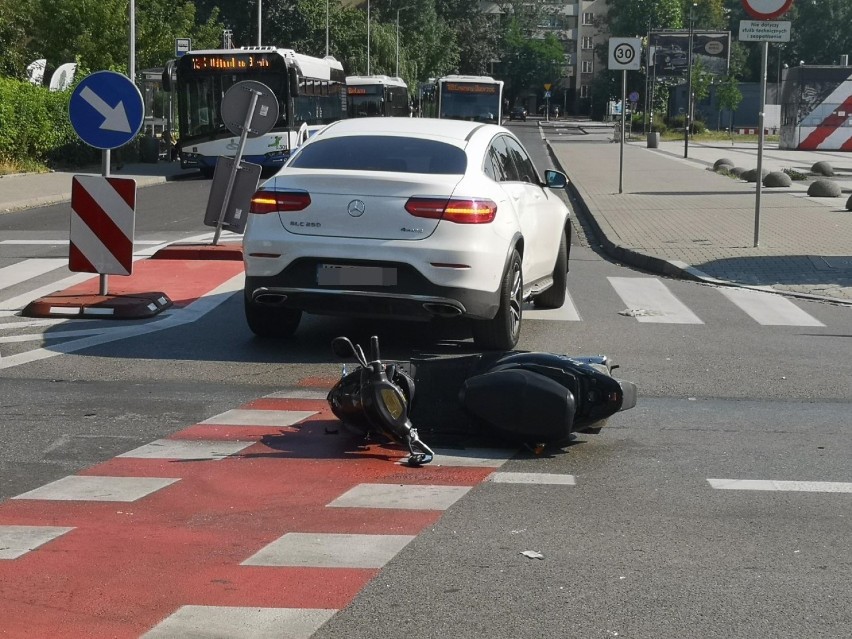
687	120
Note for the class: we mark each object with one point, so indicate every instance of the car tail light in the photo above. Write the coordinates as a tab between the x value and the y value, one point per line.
279	201
461	211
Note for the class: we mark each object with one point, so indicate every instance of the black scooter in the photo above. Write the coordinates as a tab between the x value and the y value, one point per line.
376	398
528	398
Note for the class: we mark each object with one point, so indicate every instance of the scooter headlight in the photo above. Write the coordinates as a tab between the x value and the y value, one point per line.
390	398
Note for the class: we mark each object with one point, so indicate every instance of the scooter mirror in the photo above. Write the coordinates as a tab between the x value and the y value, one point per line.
342	347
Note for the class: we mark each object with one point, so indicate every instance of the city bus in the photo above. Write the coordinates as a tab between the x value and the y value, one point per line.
311	93
377	95
470	97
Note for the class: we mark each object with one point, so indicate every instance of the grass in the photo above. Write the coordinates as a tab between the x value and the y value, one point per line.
8	167
717	136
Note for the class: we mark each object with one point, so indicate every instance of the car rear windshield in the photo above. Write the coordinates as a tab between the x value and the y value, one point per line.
381	153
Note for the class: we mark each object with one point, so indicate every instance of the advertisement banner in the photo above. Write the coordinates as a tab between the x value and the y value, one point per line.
671	52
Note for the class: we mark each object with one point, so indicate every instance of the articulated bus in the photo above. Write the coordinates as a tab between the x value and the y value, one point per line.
377	95
470	97
311	93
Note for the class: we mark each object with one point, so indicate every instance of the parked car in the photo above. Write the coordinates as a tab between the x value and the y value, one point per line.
518	113
394	217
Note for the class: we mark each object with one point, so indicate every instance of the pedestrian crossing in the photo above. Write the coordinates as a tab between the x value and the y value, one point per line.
241	554
648	300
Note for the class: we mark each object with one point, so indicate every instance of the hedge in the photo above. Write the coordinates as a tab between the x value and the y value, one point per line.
35	127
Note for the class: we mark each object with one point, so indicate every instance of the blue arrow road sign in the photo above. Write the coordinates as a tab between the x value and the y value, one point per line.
106	110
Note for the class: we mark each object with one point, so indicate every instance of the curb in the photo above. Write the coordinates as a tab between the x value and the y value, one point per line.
670	268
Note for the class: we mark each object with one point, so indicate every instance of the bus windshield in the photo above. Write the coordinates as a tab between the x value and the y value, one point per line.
203	99
477	101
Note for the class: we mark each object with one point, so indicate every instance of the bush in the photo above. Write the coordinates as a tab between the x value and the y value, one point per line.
34	122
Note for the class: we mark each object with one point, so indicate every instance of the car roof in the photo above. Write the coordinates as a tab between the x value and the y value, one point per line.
454	131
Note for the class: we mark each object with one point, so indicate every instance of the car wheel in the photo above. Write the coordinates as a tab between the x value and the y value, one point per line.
554	297
271	322
502	332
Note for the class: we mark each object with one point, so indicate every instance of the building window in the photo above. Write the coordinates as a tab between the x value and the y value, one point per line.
584	90
587	66
587	42
588	18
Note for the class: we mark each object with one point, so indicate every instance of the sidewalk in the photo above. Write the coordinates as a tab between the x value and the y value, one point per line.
28	190
677	217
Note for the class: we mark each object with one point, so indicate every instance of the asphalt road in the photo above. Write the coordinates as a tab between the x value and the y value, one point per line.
643	545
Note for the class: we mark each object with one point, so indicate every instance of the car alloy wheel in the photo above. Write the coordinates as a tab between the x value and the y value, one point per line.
503	331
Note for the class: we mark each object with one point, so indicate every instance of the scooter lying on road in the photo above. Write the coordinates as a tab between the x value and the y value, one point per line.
529	398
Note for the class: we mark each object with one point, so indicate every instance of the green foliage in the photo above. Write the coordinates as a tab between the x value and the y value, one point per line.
34	124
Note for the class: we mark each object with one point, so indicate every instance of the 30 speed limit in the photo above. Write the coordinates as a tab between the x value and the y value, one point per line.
625	54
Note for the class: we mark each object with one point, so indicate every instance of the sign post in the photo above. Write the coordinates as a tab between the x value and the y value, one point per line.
106	111
624	54
763	10
249	109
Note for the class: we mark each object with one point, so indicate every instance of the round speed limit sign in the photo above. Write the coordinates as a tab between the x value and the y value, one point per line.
766	9
624	54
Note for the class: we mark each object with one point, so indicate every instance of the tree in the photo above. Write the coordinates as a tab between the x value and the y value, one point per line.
820	32
529	63
729	97
14	23
96	33
628	18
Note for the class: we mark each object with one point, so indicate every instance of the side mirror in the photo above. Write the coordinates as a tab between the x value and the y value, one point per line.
293	78
169	77
555	179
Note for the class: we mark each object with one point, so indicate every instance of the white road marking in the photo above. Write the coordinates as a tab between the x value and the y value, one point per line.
299	394
532	478
38	337
179	317
233	622
776	485
98	488
404	496
16	541
187	449
769	309
247	417
472	457
652	300
330	550
567	312
27	269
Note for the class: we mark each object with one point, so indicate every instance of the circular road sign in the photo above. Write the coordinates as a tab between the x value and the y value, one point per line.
766	9
106	110
236	103
624	54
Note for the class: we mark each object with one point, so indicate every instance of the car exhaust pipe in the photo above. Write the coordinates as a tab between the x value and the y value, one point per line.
270	299
441	309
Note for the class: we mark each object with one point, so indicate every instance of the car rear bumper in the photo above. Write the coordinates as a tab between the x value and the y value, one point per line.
412	296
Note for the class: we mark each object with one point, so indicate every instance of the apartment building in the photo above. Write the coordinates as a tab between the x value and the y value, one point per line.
580	25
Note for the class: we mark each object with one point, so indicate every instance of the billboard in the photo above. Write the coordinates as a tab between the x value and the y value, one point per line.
670	52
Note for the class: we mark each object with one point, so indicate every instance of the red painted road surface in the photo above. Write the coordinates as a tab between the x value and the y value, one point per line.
126	566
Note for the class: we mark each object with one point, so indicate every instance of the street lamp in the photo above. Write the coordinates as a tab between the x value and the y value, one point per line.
326	28
259	13
397	37
687	118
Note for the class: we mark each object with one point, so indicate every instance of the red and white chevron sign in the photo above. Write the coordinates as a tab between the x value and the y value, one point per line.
103	220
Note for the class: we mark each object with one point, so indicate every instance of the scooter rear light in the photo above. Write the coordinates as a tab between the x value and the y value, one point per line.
460	211
264	202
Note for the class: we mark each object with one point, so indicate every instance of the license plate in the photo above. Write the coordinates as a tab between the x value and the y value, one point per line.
345	275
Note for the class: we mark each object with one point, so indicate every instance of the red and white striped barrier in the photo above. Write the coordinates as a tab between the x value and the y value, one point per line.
103	220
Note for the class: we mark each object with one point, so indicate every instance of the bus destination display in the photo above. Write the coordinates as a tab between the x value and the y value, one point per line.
230	62
470	87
